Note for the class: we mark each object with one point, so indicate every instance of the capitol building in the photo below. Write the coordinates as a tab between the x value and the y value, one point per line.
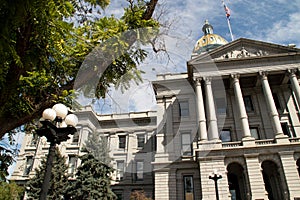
230	124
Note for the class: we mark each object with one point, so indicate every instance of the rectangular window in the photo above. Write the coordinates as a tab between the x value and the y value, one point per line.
120	170
286	129
248	103
75	138
221	105
139	170
140	140
28	166
276	101
225	135
72	164
254	132
119	196
186	144
122	141
188	187
184	108
34	140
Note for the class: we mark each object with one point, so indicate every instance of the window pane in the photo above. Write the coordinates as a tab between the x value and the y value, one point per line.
186	144
225	135
139	170
28	167
276	101
34	140
221	105
188	187
248	104
184	108
285	129
122	141
72	164
75	137
120	170
140	141
254	133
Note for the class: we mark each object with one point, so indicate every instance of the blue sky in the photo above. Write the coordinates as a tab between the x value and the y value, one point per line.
275	21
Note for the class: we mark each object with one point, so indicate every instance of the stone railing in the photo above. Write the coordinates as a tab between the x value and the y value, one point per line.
264	142
231	144
293	140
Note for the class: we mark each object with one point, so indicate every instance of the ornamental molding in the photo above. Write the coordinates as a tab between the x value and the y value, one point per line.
243	53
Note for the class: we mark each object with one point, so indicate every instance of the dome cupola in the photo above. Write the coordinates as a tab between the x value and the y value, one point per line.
209	40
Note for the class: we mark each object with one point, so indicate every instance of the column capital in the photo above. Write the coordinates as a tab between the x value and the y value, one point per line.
263	74
235	76
198	81
207	80
292	72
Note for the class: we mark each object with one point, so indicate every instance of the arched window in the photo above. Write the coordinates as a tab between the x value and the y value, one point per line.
272	179
237	181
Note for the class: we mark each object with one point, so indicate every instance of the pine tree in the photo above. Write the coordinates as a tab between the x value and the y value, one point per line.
98	146
58	181
92	180
10	191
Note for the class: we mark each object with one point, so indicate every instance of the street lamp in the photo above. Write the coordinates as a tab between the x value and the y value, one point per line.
57	125
216	176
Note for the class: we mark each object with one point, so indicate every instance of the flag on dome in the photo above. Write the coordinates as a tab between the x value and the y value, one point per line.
227	11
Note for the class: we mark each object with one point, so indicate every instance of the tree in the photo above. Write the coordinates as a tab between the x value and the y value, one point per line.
10	191
92	180
58	182
98	146
7	155
139	195
44	43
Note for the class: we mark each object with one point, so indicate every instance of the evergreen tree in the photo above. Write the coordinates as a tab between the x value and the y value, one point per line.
98	146
10	191
58	181
92	180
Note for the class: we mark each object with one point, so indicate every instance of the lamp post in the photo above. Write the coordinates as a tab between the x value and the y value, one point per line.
216	176
57	125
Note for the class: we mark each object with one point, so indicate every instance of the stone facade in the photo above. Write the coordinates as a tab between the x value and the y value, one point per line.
235	112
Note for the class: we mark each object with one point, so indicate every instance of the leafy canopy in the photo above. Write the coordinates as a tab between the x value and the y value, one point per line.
43	44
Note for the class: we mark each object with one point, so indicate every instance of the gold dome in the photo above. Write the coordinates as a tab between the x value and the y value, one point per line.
209	40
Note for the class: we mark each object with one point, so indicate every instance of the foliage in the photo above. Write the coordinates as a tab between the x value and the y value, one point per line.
10	191
98	146
58	180
44	43
7	155
92	180
139	195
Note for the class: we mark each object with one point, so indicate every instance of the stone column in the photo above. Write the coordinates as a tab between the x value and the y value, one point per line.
295	84
162	189
211	111
271	106
202	131
161	125
291	174
241	106
255	177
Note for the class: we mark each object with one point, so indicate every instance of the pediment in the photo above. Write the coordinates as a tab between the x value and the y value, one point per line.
241	49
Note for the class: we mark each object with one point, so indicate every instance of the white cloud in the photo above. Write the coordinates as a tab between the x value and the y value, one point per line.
285	31
273	21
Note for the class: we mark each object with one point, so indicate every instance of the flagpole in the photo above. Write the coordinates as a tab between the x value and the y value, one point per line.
229	26
228	19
